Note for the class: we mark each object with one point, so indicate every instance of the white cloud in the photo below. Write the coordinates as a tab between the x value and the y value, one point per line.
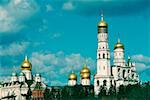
13	49
141	67
142	62
141	58
68	6
14	13
57	66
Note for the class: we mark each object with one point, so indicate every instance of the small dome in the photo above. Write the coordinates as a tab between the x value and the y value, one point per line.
119	45
26	65
21	74
85	69
72	76
86	76
14	74
38	75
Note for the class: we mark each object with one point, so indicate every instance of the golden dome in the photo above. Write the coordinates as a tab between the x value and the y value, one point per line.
26	65
72	76
119	45
86	75
85	69
102	23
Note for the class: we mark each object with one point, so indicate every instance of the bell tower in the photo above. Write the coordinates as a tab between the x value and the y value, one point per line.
103	75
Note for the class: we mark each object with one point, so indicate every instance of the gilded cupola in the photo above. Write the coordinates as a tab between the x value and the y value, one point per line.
85	72
26	65
72	76
119	45
85	69
102	23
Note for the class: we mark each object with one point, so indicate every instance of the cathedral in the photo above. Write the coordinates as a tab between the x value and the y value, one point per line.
26	86
23	86
121	72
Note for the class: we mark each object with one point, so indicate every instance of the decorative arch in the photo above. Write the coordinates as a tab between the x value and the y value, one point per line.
104	82
123	74
97	82
103	55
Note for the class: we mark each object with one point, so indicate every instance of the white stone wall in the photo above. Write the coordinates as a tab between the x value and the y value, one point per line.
85	82
72	82
27	74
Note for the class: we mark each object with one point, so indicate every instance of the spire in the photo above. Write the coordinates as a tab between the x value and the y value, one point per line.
84	66
102	17
118	40
26	58
72	69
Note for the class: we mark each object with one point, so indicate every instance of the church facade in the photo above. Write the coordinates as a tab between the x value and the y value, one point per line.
24	86
122	72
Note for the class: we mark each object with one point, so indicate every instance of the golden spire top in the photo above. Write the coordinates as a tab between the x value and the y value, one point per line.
26	58
84	66
72	76
102	23
72	69
119	40
26	65
119	44
102	17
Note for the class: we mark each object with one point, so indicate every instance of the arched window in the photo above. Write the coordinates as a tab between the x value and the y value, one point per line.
97	82
118	69
132	75
128	71
99	55
111	83
104	82
123	74
103	55
104	67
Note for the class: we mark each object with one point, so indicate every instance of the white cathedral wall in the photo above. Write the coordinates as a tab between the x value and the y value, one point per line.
85	81
72	82
119	57
27	74
101	81
103	67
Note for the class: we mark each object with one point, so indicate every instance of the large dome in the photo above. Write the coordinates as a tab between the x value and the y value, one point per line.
102	23
26	65
85	69
86	76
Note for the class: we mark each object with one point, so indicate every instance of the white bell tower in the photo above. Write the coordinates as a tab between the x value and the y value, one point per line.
103	76
119	59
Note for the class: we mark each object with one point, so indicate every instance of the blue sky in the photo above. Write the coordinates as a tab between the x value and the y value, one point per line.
57	34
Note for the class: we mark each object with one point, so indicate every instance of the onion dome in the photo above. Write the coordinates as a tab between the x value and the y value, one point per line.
72	76
14	74
119	45
26	65
85	69
21	74
38	75
102	23
86	76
